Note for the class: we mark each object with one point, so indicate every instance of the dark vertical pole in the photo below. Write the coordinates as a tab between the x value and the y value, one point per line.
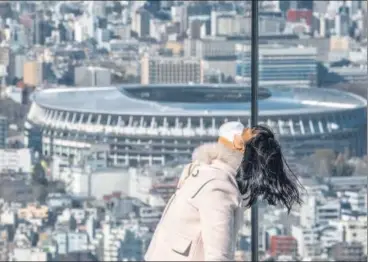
254	117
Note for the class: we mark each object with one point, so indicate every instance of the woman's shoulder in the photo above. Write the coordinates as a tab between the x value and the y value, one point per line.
209	179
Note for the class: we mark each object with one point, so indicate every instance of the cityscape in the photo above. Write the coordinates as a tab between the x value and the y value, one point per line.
102	104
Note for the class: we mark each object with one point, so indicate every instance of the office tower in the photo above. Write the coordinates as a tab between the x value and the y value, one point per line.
3	131
284	65
171	70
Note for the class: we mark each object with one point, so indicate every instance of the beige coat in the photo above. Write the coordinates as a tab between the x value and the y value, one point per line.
202	219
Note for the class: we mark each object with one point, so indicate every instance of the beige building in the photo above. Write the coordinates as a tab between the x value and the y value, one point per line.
33	73
339	43
176	47
33	211
171	70
356	231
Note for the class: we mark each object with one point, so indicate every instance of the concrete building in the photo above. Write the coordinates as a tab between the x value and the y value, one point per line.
365	20
314	240
118	242
344	251
5	55
29	254
307	239
16	160
3	131
327	212
356	231
92	76
283	245
101	182
210	47
357	199
218	53
33	73
15	66
351	74
33	211
68	242
347	183
141	23
222	22
155	116
171	70
20	59
278	64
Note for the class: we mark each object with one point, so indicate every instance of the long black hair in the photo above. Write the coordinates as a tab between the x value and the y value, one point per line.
265	173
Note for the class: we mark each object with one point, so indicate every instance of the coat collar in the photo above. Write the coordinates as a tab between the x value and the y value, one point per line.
219	155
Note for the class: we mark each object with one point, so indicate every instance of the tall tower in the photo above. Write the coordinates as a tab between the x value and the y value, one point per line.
365	19
90	19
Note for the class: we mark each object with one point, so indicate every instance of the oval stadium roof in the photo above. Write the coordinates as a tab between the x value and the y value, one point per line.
196	100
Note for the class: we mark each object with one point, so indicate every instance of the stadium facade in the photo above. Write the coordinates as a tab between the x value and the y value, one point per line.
157	124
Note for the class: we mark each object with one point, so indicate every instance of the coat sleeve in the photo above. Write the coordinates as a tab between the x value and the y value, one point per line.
217	205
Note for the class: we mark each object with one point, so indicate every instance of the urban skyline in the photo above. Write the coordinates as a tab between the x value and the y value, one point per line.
103	102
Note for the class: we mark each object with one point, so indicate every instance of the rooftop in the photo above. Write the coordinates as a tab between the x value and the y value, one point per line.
195	100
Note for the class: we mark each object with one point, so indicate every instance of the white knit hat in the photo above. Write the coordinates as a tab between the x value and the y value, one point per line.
230	129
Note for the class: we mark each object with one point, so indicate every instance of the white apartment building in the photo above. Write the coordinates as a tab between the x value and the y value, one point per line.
116	247
307	211
328	211
92	76
222	22
312	240
171	70
210	47
140	184
101	182
16	160
357	199
71	242
307	241
356	231
28	254
80	30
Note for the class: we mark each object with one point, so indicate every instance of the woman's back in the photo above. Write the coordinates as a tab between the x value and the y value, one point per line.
187	230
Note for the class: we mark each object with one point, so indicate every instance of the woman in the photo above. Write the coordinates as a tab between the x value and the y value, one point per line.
202	219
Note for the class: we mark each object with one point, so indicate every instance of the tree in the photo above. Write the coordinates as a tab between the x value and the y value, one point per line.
213	79
39	193
341	167
38	174
229	80
72	223
322	161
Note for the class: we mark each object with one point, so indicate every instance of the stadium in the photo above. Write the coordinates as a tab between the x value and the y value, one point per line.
157	124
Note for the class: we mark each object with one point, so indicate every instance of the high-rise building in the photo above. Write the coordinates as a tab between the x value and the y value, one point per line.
15	67
33	73
141	22
171	70
342	21
92	76
365	19
3	131
284	65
